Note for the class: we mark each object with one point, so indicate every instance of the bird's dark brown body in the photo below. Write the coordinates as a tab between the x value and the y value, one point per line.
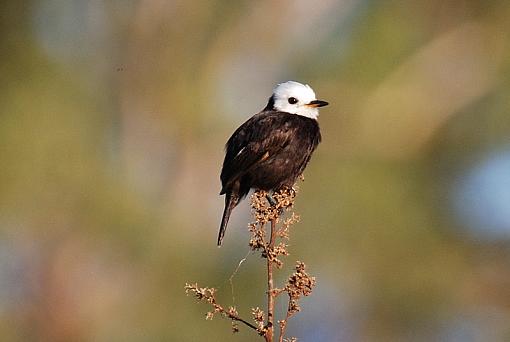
267	152
268	159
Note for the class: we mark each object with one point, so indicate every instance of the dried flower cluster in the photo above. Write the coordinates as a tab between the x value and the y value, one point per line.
267	211
258	317
207	294
264	212
299	284
291	339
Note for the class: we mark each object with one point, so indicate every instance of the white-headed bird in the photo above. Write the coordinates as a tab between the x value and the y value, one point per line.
271	150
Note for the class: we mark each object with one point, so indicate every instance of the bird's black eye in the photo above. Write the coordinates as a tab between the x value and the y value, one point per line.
293	100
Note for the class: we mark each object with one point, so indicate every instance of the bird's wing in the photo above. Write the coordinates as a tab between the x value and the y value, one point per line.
259	138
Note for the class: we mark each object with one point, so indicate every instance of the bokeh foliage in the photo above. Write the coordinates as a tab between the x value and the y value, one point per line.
113	117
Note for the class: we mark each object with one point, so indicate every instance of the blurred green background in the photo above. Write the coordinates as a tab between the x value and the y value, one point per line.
113	117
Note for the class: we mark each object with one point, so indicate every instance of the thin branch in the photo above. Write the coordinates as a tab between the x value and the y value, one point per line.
270	284
208	295
283	323
230	280
239	319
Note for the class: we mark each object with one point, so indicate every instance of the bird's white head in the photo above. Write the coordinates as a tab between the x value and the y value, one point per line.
296	98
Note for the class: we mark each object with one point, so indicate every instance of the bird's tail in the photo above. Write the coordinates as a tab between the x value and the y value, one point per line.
230	202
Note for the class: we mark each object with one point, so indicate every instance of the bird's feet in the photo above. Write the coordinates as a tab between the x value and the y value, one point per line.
292	191
271	200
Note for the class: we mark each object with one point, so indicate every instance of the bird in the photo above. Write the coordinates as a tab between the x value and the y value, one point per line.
271	149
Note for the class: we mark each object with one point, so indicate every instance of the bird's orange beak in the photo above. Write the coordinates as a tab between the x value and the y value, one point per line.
317	103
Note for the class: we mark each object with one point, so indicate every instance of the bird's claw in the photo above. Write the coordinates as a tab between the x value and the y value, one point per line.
292	191
271	200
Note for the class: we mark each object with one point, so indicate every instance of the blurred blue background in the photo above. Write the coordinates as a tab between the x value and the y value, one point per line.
113	117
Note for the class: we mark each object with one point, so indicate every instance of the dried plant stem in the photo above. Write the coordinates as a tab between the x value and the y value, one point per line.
208	295
271	295
267	231
232	314
283	323
239	319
